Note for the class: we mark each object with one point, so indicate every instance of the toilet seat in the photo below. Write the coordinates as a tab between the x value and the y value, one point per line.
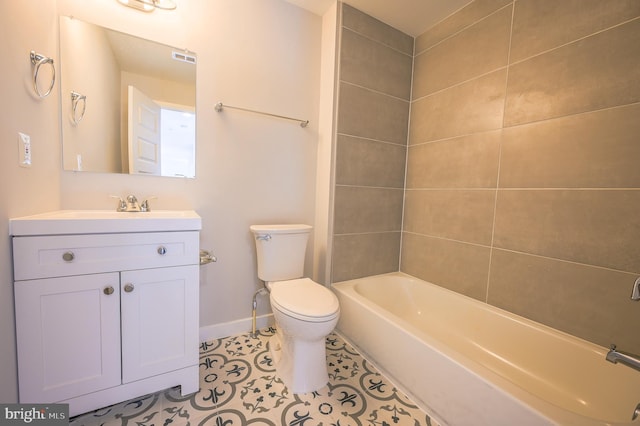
305	300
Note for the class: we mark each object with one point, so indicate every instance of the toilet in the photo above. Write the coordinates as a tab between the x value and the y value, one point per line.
305	312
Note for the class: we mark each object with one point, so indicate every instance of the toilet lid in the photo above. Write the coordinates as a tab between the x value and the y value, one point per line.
304	299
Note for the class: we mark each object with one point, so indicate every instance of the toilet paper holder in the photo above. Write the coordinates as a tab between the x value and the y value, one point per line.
206	257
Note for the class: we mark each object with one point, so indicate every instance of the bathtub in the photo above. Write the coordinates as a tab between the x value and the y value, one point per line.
468	363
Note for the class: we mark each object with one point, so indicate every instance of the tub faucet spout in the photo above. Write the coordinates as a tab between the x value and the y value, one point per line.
629	360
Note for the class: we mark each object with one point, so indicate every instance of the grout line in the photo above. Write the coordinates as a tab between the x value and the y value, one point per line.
461	30
524	253
575	114
569	189
573	262
528	123
575	40
448	239
451	138
406	157
369	89
395	188
371	139
495	199
451	189
369	233
379	42
460	83
517	189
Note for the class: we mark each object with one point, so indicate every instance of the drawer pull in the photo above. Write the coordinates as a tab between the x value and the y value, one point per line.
128	287
68	256
108	290
162	250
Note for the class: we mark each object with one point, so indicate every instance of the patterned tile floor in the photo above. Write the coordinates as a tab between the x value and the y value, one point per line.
238	387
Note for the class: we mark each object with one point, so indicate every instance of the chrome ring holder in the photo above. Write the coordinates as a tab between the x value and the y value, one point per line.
38	60
76	98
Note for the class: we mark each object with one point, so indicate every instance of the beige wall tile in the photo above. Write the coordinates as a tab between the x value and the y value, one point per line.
465	215
361	255
588	302
374	29
479	49
583	76
362	209
366	162
369	114
471	107
540	25
465	17
367	63
464	162
457	266
571	116
595	227
371	147
594	150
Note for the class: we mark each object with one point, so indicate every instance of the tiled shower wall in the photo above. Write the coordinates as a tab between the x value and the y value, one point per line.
523	171
523	182
373	111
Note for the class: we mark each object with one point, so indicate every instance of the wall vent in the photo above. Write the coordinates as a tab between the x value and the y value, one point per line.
183	57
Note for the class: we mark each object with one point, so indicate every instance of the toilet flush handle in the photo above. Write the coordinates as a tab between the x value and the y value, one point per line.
265	237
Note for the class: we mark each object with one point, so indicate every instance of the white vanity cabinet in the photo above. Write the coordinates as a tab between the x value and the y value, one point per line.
68	333
102	318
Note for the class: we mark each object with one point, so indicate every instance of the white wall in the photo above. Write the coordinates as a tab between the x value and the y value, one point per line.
97	137
326	147
259	54
23	191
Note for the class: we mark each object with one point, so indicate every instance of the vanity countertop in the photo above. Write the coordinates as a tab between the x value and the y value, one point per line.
104	221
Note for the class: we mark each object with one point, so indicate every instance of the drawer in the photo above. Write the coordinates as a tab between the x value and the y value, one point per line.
66	255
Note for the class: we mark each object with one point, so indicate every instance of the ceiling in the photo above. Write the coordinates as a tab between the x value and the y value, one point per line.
139	56
412	17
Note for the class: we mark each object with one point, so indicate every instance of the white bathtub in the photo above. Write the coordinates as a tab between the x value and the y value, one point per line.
468	363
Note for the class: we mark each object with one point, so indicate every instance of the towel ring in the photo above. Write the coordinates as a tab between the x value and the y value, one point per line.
75	100
38	60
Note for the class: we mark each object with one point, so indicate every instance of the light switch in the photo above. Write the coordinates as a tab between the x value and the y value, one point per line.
24	148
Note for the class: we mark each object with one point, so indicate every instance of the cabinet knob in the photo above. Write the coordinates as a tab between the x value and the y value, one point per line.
108	290
162	250
128	287
68	256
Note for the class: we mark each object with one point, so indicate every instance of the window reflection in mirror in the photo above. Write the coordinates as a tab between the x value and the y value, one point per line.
114	135
177	157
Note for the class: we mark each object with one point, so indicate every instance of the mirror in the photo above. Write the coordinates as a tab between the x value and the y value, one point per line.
127	104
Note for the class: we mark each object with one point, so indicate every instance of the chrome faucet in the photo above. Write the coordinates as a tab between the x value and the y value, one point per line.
122	204
629	360
130	204
145	207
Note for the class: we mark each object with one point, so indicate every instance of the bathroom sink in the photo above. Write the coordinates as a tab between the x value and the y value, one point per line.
104	221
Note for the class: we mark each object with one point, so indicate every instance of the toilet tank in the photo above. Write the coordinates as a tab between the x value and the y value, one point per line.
280	250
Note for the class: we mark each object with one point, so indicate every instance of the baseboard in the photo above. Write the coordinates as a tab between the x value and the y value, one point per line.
218	331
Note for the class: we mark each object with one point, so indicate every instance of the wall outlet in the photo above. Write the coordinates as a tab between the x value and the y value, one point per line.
24	150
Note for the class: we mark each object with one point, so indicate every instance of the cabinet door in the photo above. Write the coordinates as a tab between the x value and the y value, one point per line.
68	333
159	321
